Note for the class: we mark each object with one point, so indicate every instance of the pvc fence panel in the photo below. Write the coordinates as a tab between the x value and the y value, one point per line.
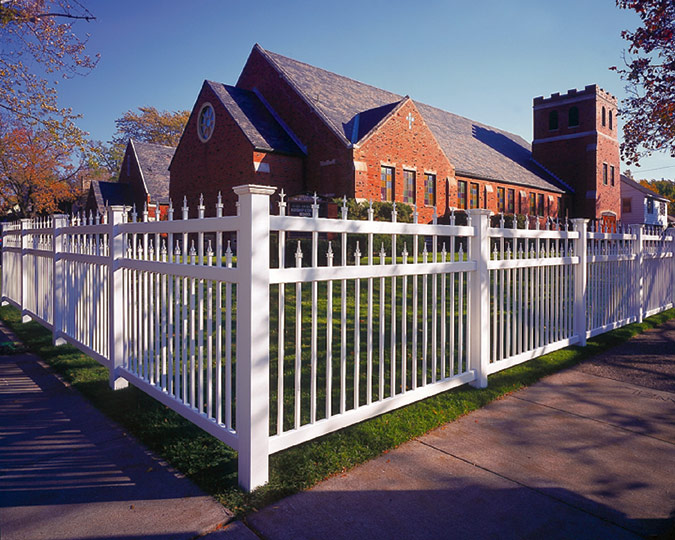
270	330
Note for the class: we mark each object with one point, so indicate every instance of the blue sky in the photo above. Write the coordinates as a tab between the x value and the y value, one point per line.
483	59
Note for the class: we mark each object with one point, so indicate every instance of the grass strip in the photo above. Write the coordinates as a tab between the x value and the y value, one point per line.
213	465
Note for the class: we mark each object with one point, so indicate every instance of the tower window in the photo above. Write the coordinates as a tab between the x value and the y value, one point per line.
604	114
387	183
610	121
604	173
573	117
553	120
611	174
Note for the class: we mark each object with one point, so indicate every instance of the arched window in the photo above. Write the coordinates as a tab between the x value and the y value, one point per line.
610	121
553	120
573	117
603	117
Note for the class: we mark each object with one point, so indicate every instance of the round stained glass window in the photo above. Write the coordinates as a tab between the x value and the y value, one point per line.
207	120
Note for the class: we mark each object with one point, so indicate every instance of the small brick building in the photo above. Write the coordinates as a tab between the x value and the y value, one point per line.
143	180
304	129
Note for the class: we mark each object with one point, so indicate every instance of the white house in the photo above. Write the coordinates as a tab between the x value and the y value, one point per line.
642	205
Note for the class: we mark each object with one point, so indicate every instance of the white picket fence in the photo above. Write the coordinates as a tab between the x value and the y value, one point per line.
271	330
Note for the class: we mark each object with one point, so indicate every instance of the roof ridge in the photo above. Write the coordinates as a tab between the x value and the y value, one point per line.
301	93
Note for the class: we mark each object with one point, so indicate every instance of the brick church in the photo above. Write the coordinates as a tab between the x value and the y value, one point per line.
301	128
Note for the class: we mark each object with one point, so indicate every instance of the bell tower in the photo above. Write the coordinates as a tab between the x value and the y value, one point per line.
576	138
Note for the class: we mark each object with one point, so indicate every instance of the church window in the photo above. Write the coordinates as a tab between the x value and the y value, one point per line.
500	200
540	204
511	201
611	174
533	204
604	113
611	120
461	195
409	187
604	173
626	206
207	120
553	120
430	189
387	183
573	117
474	196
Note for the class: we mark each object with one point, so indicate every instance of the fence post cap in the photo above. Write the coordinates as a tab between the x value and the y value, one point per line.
479	212
254	189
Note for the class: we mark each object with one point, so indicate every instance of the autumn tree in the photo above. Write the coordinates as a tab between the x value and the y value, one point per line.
665	188
649	110
39	46
147	125
38	174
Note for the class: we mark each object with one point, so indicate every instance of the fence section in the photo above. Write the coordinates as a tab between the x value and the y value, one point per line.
270	330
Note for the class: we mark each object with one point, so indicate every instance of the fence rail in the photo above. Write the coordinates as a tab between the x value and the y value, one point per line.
271	330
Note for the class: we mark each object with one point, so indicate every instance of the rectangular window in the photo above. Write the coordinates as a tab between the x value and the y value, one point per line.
430	189
461	195
485	197
611	174
533	204
387	183
650	206
626	206
474	196
511	201
500	200
604	173
561	212
540	204
409	187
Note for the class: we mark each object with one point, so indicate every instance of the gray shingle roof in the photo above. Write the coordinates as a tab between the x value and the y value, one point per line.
154	160
643	189
474	149
254	119
111	194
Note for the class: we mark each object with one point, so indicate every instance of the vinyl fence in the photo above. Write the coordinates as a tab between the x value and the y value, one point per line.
271	330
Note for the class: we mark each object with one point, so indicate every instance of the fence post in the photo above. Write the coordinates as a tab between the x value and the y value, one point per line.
638	251
580	279
478	342
115	298
58	293
252	422
24	275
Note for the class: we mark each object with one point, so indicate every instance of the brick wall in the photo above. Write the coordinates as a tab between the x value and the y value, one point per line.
396	145
336	175
226	160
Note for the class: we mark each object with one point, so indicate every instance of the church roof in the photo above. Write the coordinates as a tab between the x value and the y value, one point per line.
111	194
475	149
153	160
256	121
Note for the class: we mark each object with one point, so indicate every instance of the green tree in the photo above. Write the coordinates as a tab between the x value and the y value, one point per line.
649	110
147	125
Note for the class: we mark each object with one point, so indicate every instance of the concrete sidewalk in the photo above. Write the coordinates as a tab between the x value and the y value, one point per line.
588	453
67	472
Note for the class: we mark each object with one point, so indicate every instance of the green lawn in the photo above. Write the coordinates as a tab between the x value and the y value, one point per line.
213	466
